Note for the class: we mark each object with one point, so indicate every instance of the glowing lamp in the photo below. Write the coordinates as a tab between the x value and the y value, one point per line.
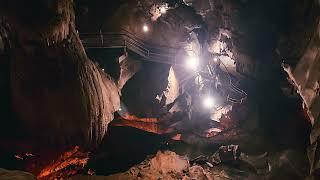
208	102
163	10
145	28
192	62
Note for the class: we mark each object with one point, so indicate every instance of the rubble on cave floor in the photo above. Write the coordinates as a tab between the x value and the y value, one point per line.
228	162
173	161
164	165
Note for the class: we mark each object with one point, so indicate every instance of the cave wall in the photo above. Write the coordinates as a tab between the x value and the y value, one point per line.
62	95
5	79
64	98
301	46
140	93
58	94
307	78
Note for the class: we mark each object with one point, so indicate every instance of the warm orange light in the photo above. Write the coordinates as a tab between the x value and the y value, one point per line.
72	158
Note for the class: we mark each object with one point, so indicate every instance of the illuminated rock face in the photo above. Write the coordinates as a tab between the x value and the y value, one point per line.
305	76
300	50
128	67
167	165
172	91
169	29
61	97
139	94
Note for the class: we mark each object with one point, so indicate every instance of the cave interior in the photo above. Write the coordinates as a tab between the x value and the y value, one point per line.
160	89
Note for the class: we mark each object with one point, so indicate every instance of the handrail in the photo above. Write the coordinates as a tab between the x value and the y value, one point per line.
234	88
126	39
130	36
144	45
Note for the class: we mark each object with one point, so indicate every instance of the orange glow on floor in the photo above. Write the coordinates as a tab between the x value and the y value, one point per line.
61	167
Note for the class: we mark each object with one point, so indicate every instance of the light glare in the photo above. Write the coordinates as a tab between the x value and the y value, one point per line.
192	62
163	10
145	28
208	102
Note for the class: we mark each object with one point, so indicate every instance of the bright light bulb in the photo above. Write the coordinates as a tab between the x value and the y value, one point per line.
163	10
192	62
145	28
208	102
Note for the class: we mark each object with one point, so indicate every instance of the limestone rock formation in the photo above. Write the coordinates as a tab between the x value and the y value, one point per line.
60	96
301	45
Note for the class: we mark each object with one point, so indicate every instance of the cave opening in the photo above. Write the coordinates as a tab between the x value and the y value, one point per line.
159	89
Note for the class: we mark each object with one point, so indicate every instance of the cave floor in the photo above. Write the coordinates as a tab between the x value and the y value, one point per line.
125	148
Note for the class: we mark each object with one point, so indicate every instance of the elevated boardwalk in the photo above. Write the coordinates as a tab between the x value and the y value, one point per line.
129	42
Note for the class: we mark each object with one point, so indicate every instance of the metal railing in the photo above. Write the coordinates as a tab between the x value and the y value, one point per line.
149	52
126	40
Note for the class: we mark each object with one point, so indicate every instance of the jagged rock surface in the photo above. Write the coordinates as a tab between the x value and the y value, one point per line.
301	47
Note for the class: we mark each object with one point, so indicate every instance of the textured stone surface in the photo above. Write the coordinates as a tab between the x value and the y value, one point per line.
15	175
60	96
128	67
169	165
140	92
302	45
